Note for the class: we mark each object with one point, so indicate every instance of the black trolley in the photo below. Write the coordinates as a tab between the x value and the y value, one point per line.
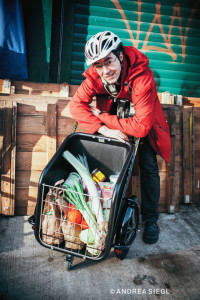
111	157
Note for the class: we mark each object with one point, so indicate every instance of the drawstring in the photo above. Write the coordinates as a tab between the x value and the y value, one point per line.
129	87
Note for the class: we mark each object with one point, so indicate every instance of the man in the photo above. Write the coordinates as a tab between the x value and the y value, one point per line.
119	72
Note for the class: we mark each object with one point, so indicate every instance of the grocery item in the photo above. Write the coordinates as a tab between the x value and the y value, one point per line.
98	176
72	176
51	227
87	179
72	235
106	193
74	194
74	216
106	213
84	224
86	236
113	179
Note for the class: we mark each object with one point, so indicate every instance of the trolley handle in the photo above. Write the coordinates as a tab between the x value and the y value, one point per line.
74	127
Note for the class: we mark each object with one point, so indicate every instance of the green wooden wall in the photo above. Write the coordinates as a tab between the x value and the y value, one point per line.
168	32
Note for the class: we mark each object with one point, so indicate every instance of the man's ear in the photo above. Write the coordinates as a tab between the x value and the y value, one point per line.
121	56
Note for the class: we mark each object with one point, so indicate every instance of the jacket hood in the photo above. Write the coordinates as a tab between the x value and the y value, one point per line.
91	74
136	62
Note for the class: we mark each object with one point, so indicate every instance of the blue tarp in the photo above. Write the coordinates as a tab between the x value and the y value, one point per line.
13	63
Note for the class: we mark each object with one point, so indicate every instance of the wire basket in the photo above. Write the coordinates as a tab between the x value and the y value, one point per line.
63	226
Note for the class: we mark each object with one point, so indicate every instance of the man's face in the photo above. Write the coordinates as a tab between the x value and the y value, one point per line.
109	67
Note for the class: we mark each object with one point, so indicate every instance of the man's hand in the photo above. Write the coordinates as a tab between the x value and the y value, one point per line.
95	110
113	133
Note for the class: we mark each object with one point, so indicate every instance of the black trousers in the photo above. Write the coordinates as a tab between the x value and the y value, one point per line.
149	181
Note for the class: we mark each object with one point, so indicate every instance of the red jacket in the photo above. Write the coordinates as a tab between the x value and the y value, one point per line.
138	86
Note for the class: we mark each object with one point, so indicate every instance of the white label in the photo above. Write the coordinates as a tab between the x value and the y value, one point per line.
101	140
5	209
6	83
187	199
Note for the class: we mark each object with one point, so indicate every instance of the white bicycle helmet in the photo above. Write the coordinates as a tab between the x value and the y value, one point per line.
100	45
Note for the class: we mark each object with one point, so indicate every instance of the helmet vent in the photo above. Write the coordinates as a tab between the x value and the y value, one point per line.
100	45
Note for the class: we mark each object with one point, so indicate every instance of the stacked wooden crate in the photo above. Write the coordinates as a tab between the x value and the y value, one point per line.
43	121
196	160
191	152
8	117
173	173
36	143
170	174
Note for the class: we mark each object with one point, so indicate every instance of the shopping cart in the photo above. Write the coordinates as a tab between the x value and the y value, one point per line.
50	222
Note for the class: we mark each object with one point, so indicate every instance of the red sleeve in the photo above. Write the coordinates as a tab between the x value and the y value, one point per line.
79	107
141	123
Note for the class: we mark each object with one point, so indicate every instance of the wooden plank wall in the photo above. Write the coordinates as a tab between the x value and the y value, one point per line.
43	122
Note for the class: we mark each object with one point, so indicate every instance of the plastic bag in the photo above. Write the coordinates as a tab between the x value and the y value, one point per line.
51	225
72	235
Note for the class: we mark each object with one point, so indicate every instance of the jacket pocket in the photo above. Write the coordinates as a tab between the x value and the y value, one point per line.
161	128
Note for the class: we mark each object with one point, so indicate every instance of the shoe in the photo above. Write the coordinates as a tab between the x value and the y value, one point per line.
151	233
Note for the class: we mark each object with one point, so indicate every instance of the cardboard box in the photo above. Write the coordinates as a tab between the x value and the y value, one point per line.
166	98
179	100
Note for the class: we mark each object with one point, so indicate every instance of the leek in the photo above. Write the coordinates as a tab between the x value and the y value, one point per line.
83	160
74	194
76	197
88	181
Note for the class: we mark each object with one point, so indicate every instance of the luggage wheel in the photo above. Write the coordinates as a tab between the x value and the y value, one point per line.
69	258
121	251
127	228
31	221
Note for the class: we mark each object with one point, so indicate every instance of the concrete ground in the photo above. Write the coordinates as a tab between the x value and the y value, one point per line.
168	270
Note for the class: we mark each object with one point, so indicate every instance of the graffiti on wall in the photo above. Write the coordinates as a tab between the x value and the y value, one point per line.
167	45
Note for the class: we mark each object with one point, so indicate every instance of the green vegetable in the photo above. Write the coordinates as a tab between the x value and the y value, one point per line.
74	194
87	179
49	213
83	160
106	213
86	236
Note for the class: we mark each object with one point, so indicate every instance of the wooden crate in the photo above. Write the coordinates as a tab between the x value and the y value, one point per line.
170	175
196	156
8	116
